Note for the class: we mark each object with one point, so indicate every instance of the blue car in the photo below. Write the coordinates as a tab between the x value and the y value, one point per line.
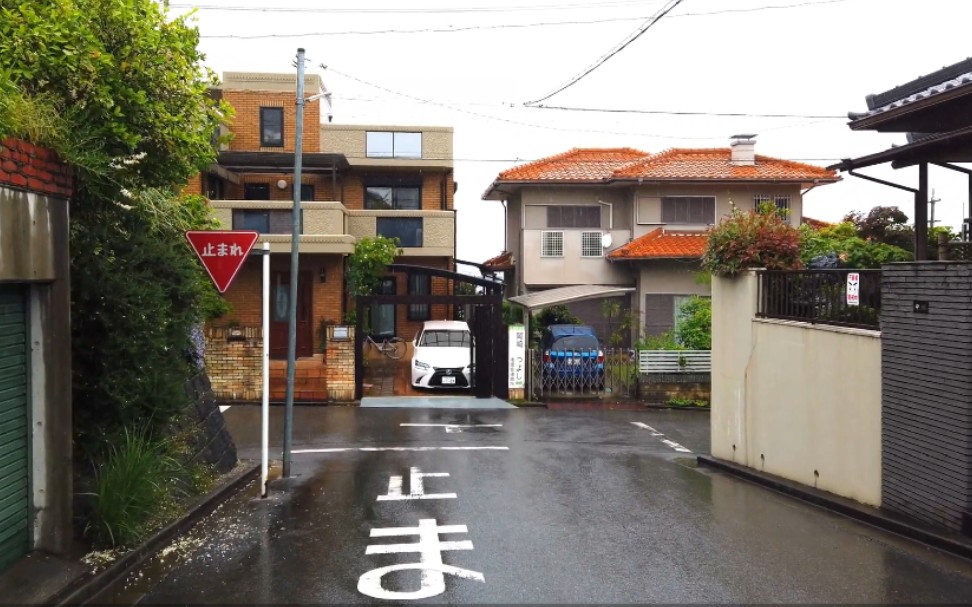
572	358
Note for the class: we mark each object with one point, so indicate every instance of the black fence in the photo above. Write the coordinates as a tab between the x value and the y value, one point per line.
821	296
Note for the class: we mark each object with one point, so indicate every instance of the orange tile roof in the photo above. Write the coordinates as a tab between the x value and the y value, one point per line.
502	261
578	164
679	164
662	244
816	223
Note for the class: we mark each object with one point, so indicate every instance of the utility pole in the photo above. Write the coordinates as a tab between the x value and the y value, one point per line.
294	267
931	220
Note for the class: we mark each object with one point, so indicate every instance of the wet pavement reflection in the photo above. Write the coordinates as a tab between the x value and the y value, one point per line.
548	506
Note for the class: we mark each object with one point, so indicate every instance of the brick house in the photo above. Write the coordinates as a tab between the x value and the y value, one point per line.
625	220
357	181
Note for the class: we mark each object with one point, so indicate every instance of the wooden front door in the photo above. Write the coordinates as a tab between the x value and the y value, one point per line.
279	298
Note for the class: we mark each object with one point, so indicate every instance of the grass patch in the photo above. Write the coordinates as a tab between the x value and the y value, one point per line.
687	402
137	489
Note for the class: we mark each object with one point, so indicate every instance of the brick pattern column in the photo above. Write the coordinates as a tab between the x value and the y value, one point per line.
339	373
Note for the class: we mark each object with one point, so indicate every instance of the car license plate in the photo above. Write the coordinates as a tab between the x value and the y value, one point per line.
448	380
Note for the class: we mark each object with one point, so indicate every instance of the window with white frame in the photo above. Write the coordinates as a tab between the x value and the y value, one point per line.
591	244
552	244
781	201
393	144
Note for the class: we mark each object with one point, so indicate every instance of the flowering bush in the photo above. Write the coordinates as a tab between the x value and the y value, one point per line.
754	239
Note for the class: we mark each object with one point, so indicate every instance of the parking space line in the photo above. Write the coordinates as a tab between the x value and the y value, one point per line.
654	432
369	449
452	425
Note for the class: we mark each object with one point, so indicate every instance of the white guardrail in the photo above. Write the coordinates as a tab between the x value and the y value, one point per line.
674	361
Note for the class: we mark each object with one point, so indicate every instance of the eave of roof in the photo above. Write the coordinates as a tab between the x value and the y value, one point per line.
954	146
662	244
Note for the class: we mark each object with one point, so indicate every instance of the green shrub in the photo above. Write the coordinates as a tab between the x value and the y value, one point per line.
754	239
137	487
694	327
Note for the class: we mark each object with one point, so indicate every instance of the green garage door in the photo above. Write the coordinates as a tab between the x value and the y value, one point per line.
14	446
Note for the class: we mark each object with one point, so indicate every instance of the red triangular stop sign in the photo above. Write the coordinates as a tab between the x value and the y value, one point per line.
222	252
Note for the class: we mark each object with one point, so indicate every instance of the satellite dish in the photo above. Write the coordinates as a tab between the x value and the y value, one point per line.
606	240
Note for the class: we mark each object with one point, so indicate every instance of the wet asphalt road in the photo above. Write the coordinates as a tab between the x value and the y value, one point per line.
583	507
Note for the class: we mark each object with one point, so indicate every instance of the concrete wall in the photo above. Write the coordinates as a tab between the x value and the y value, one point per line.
34	233
799	401
350	140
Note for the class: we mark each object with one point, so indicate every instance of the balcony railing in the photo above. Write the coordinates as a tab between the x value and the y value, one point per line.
821	296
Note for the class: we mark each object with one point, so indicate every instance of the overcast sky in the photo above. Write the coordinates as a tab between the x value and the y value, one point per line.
474	64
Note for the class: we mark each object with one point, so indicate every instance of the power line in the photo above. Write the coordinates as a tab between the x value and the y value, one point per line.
417	11
498	26
509	121
617	49
683	113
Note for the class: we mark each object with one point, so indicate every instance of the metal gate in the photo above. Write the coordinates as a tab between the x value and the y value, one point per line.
611	373
490	346
14	444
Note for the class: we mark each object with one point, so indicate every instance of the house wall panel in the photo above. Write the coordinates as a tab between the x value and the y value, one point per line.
927	386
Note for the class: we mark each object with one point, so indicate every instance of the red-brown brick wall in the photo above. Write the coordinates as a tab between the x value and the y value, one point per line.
26	166
245	294
194	187
246	122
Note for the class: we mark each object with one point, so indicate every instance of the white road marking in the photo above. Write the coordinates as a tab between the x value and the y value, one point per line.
647	427
223	408
453	428
670	443
416	487
430	550
370	449
453	425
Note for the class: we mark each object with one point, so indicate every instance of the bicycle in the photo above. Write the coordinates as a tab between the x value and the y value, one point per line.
392	347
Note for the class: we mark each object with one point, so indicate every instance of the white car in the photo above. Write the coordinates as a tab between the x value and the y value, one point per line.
442	354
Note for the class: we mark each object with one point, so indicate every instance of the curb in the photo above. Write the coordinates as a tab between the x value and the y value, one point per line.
846	507
85	591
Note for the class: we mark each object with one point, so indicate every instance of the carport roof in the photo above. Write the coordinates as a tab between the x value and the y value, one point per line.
561	295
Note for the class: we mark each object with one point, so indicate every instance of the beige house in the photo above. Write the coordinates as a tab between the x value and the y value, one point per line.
625	221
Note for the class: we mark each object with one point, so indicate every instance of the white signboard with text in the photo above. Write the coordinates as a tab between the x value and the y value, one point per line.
517	373
853	289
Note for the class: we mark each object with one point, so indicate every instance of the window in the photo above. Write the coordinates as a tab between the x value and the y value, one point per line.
782	203
306	191
571	216
552	244
256	191
383	315
393	197
437	338
408	230
271	127
265	221
688	209
387	144
419	284
591	244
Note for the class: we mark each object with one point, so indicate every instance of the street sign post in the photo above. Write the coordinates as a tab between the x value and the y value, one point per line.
222	252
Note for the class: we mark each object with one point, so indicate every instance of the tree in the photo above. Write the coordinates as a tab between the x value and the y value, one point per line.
125	80
839	246
369	263
884	224
694	327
